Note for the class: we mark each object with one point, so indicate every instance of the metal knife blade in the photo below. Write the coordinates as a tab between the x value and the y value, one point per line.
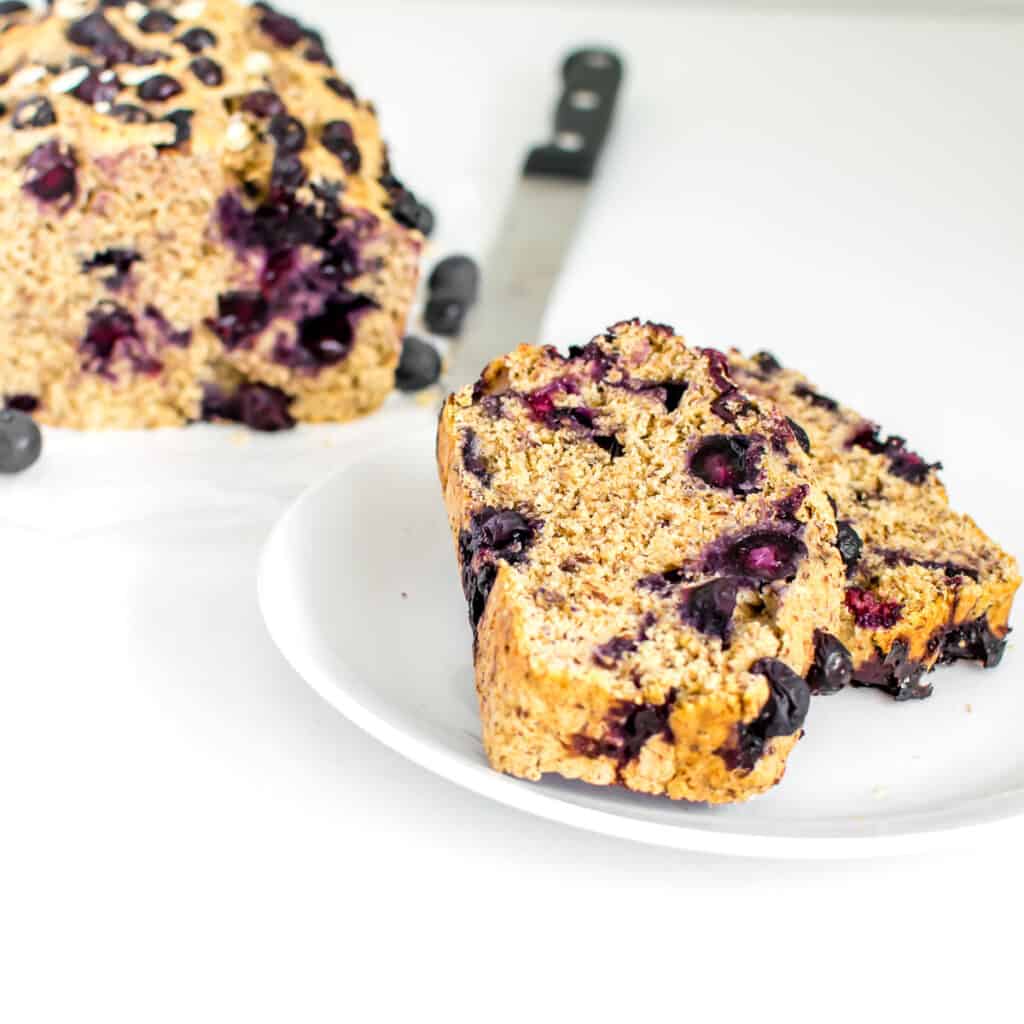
539	225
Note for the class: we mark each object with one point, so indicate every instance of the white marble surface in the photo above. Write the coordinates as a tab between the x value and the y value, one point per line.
189	833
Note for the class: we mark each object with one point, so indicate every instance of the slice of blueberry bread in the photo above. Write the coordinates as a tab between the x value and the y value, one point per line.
646	555
925	586
198	221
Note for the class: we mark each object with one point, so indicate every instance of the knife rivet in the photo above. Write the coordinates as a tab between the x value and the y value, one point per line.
585	99
597	59
572	142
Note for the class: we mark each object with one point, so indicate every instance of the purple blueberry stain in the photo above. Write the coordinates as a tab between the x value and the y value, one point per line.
118	260
628	728
111	335
870	611
473	457
905	464
787	507
180	339
728	462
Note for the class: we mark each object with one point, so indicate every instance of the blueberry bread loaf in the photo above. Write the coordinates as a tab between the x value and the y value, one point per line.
198	220
646	555
925	585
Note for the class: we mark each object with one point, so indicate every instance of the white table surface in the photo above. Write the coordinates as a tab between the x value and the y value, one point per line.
190	834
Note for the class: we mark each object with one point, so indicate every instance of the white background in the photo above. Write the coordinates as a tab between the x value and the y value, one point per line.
189	833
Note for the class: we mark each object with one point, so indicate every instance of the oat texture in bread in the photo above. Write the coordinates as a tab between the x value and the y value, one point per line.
646	555
925	586
198	220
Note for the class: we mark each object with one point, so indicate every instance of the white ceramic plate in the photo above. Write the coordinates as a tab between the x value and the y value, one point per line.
359	590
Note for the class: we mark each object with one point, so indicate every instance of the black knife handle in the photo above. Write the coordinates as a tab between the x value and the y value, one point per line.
591	80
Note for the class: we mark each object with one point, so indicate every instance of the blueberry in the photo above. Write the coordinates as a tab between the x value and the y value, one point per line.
182	121
766	555
240	315
98	87
767	363
609	442
340	88
849	543
285	31
709	608
23	403
159	88
195	40
786	709
674	391
727	462
821	401
444	315
456	277
419	366
157	21
35	112
262	103
20	441
129	113
406	208
264	408
337	138
207	71
973	641
119	260
800	434
327	339
51	173
832	668
287	173
473	458
288	133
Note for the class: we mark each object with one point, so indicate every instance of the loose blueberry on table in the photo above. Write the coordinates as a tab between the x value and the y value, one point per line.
419	365
20	441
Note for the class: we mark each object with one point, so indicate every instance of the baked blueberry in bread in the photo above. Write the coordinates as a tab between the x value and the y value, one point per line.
647	556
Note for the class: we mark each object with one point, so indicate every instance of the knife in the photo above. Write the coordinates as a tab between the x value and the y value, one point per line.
521	271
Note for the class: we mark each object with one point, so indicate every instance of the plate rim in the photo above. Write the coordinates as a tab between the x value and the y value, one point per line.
521	795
